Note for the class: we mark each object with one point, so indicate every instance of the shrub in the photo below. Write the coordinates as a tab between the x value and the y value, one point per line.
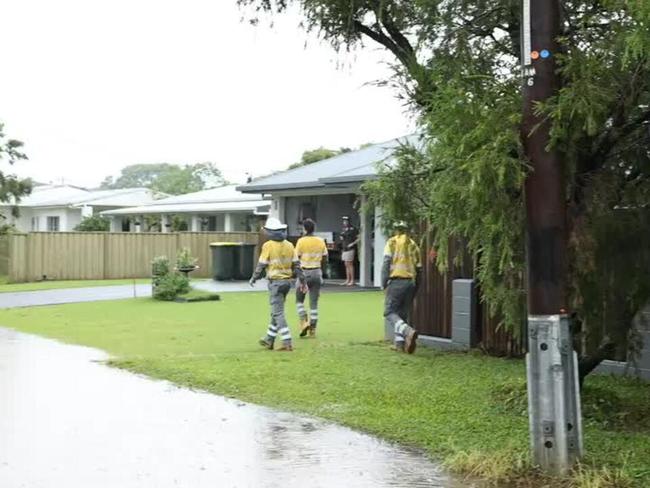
94	223
184	259
170	286
160	266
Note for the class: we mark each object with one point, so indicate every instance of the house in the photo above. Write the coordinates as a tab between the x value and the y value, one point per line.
222	209
60	208
326	191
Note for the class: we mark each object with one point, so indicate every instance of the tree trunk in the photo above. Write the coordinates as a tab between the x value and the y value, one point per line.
587	364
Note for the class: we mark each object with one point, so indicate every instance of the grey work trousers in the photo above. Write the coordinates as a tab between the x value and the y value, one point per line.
314	280
278	290
398	300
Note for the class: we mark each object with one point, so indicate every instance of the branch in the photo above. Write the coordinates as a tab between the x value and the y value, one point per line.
384	40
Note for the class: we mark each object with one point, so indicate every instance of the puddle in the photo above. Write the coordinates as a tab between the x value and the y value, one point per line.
68	421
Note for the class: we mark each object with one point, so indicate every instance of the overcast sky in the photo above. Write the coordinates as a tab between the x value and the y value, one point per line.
92	86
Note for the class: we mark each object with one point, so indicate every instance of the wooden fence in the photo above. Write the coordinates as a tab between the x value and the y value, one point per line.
102	255
432	309
4	255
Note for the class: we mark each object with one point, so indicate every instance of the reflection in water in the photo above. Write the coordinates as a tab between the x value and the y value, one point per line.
66	421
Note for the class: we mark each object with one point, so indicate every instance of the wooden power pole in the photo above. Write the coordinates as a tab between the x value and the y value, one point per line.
553	392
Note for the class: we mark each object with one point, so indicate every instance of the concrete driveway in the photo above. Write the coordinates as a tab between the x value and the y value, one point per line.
68	421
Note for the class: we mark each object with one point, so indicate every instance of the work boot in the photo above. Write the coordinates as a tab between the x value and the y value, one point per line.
265	343
285	347
411	341
304	327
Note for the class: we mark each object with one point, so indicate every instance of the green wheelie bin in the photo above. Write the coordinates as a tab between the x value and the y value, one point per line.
245	261
224	260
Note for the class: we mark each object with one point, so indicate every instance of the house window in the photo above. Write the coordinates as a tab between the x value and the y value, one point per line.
53	224
35	224
212	223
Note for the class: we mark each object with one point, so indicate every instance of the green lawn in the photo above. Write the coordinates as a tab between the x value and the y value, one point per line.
466	409
52	285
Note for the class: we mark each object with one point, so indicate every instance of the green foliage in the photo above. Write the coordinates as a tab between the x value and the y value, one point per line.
318	154
168	178
94	223
179	223
184	259
617	410
169	286
6	229
457	63
160	266
12	188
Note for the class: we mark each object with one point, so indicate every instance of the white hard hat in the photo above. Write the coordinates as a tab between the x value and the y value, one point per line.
274	224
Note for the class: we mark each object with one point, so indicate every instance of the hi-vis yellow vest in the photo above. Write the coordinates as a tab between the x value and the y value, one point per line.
405	256
278	257
310	251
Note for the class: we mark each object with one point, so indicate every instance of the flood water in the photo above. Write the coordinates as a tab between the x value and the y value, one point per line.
69	421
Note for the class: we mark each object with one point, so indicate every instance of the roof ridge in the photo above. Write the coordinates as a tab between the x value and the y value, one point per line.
322	161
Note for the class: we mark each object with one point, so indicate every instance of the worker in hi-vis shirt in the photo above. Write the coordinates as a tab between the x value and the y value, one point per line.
400	277
312	253
278	259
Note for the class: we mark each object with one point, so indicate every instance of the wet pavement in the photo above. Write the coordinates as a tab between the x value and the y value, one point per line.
119	292
67	420
114	292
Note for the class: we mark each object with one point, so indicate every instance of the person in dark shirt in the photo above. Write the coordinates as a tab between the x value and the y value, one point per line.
349	240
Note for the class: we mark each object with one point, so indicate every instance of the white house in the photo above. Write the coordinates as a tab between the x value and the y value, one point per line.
222	209
58	208
329	189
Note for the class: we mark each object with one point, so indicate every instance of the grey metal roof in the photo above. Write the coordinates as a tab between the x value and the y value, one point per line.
350	167
68	195
221	199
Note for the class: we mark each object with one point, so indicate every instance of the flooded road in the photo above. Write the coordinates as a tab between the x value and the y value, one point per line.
68	421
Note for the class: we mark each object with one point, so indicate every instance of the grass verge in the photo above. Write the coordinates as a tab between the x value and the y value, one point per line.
466	409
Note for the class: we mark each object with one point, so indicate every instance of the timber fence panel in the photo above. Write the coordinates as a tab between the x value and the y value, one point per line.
104	255
64	256
431	313
4	255
18	265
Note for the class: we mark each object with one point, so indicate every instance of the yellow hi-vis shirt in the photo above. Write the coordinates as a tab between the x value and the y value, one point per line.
278	257
311	250
405	256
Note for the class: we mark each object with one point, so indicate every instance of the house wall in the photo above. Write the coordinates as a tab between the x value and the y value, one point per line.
379	242
74	216
241	222
68	218
22	223
326	210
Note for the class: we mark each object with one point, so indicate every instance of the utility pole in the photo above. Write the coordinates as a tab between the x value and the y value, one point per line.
553	391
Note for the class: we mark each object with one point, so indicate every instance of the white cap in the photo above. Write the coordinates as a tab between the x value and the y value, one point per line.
274	224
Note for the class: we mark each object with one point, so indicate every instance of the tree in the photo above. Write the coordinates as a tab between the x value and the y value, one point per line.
314	155
94	223
12	188
457	63
167	178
